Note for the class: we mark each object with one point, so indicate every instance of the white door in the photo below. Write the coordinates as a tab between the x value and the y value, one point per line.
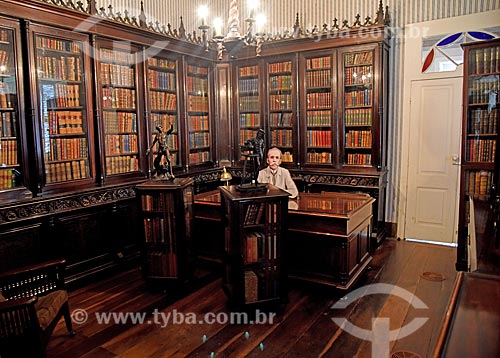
434	150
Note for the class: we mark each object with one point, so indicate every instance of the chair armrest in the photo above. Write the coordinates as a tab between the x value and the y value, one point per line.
33	280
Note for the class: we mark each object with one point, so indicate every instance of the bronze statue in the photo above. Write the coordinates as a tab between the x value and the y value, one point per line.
256	146
164	169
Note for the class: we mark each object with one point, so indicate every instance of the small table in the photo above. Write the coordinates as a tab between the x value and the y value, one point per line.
328	238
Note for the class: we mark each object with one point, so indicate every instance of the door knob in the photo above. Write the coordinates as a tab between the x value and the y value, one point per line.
455	160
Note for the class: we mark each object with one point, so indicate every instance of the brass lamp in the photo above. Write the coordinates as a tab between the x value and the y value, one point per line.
225	176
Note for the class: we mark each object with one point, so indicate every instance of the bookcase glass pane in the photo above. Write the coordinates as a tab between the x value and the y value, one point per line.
162	83
198	114
281	108
61	92
119	105
249	103
319	109
11	175
358	104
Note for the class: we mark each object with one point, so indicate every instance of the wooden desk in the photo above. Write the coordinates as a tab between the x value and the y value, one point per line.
328	239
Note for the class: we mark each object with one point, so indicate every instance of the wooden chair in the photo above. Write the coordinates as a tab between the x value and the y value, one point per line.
32	300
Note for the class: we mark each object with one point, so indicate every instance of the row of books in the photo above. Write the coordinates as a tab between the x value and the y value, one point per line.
319	100
4	58
121	164
319	79
158	230
248	104
64	171
65	122
358	58
282	82
322	157
5	96
51	43
118	98
199	140
197	85
162	101
319	118
250	119
121	144
481	89
358	117
261	285
253	214
8	152
254	246
358	98
248	85
481	150
280	102
4	35
65	96
197	103
8	124
64	68
484	60
199	157
199	123
319	138
482	121
113	55
478	182
359	159
249	71
358	139
161	264
156	202
281	137
117	75
246	134
358	75
162	80
161	62
7	178
280	67
318	63
66	149
284	119
120	122
164	120
197	70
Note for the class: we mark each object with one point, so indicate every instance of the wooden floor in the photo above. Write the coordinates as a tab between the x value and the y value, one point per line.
304	329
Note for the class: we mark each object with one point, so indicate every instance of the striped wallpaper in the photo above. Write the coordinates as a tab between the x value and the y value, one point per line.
281	16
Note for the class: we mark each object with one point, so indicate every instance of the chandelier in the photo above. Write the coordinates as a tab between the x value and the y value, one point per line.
233	41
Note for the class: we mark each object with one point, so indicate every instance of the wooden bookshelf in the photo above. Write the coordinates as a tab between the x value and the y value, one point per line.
479	176
281	106
254	227
166	211
198	114
64	128
162	79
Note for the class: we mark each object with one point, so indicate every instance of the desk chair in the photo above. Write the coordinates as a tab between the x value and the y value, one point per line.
32	300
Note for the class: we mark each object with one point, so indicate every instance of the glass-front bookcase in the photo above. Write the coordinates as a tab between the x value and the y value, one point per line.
162	76
63	98
249	103
13	174
480	164
198	114
281	107
119	78
358	107
319	109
